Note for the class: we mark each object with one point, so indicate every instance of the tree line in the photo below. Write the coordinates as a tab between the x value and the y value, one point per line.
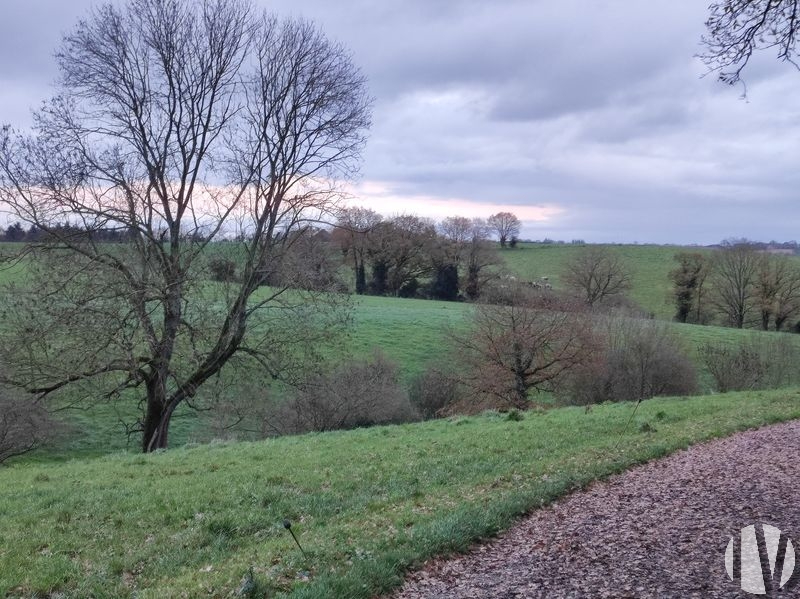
17	233
402	256
739	285
392	256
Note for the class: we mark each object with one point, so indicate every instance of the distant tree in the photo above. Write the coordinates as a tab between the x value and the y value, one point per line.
445	282
357	393
734	274
787	299
305	262
15	232
510	351
480	257
222	269
352	233
688	281
596	273
466	243
634	359
176	121
458	232
776	290
506	225
399	253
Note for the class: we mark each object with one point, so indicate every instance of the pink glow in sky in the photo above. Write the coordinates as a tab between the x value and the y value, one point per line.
380	198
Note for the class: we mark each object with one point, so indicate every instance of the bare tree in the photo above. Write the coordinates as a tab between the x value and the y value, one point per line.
787	298
357	393
776	291
179	123
458	232
510	351
688	286
400	254
467	246
596	273
734	273
506	225
353	229
739	28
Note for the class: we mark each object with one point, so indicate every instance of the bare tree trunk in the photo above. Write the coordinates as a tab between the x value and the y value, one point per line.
765	315
156	428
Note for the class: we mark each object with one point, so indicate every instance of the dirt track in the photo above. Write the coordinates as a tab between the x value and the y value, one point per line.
659	530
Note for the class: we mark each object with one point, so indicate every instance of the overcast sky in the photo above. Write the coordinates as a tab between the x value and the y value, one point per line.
587	118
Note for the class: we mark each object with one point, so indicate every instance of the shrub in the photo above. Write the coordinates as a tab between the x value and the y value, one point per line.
636	360
222	269
355	394
24	425
760	363
432	391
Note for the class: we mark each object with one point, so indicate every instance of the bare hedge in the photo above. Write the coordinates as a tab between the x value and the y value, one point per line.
636	359
355	394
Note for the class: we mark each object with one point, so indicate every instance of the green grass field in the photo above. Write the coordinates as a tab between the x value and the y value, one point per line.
366	504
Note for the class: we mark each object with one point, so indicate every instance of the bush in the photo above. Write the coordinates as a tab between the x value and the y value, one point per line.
636	360
24	425
222	269
432	391
761	363
357	393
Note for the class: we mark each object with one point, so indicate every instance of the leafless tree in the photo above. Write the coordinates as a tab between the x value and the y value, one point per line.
399	253
352	233
457	231
787	299
739	28
506	225
467	245
634	360
734	274
357	393
596	273
688	286
179	123
776	290
510	351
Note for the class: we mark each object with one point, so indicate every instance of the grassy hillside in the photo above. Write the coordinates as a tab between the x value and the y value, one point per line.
364	504
413	333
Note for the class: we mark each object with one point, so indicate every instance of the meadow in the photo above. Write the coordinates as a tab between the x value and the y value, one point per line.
365	505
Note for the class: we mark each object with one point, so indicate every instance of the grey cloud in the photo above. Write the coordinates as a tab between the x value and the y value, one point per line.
597	107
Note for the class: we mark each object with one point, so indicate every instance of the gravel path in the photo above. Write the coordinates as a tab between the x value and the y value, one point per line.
659	530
